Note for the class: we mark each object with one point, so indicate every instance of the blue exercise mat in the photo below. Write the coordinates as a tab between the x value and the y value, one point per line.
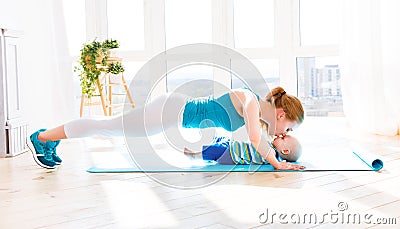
314	160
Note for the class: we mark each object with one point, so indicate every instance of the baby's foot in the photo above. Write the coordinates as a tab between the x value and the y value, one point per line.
189	153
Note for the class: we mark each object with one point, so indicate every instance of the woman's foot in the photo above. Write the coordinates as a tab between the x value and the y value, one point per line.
56	158
41	151
190	154
57	133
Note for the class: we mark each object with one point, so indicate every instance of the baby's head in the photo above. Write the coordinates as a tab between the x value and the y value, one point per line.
288	147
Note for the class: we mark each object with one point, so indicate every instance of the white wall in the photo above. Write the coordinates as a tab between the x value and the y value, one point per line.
46	72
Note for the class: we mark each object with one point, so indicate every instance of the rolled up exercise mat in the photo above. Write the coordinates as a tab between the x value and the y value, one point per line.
367	156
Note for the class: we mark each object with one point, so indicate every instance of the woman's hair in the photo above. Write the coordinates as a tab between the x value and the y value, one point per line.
290	104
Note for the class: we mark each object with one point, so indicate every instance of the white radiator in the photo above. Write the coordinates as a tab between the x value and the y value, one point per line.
16	137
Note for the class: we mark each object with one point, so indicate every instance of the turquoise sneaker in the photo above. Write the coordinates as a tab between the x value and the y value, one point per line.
41	152
56	158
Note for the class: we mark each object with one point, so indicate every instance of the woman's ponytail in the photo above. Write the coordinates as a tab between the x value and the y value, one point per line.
290	104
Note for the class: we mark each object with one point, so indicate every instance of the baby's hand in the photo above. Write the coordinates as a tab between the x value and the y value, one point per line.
289	166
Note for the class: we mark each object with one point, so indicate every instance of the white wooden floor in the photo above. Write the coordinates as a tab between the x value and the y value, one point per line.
69	197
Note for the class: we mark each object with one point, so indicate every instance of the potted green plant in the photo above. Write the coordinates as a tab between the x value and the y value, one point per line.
91	54
93	62
115	69
111	44
112	47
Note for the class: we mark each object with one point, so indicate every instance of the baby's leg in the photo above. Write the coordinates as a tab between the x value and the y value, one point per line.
215	151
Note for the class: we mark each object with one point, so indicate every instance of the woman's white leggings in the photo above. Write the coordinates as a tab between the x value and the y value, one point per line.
156	116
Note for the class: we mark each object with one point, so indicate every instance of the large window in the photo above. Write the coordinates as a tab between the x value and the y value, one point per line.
318	69
253	23
254	36
75	23
319	22
319	85
269	69
125	22
187	21
290	42
195	80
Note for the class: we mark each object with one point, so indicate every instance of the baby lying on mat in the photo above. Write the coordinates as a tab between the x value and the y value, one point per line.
225	151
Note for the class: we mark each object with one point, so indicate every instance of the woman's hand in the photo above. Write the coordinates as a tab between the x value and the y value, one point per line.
289	166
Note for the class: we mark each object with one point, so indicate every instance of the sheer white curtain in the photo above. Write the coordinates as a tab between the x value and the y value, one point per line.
370	50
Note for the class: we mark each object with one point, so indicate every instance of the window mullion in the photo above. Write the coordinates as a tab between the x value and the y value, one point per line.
96	18
222	34
286	41
90	10
323	50
154	26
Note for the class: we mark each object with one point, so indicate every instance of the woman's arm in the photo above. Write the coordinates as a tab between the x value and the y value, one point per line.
251	114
